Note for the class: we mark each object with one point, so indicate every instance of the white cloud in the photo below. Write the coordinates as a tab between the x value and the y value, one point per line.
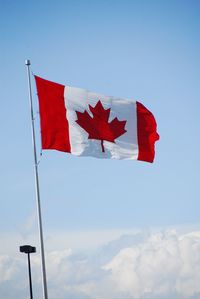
157	265
165	263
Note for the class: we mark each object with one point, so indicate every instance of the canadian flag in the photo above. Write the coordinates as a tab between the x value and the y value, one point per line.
85	123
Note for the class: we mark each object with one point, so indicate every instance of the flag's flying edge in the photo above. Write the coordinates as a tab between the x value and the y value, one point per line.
147	133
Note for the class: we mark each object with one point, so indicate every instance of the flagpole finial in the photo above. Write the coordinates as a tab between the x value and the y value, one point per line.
27	62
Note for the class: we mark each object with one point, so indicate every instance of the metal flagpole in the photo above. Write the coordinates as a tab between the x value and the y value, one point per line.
45	294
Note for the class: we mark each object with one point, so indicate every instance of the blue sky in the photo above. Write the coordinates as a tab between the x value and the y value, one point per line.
144	50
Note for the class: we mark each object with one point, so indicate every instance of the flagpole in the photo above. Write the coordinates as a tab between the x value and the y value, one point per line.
45	293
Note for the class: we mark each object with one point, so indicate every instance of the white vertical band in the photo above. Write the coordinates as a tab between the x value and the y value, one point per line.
124	147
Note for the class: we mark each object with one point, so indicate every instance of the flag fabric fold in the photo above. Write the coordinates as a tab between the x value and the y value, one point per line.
85	123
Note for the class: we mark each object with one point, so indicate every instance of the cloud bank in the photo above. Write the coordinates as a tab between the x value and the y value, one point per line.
157	265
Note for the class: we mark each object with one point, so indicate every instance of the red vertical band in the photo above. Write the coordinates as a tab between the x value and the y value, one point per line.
147	134
54	124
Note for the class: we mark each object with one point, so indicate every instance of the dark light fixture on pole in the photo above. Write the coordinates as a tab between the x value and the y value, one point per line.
28	249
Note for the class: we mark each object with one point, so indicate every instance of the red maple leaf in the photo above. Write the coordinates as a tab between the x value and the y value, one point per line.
98	127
